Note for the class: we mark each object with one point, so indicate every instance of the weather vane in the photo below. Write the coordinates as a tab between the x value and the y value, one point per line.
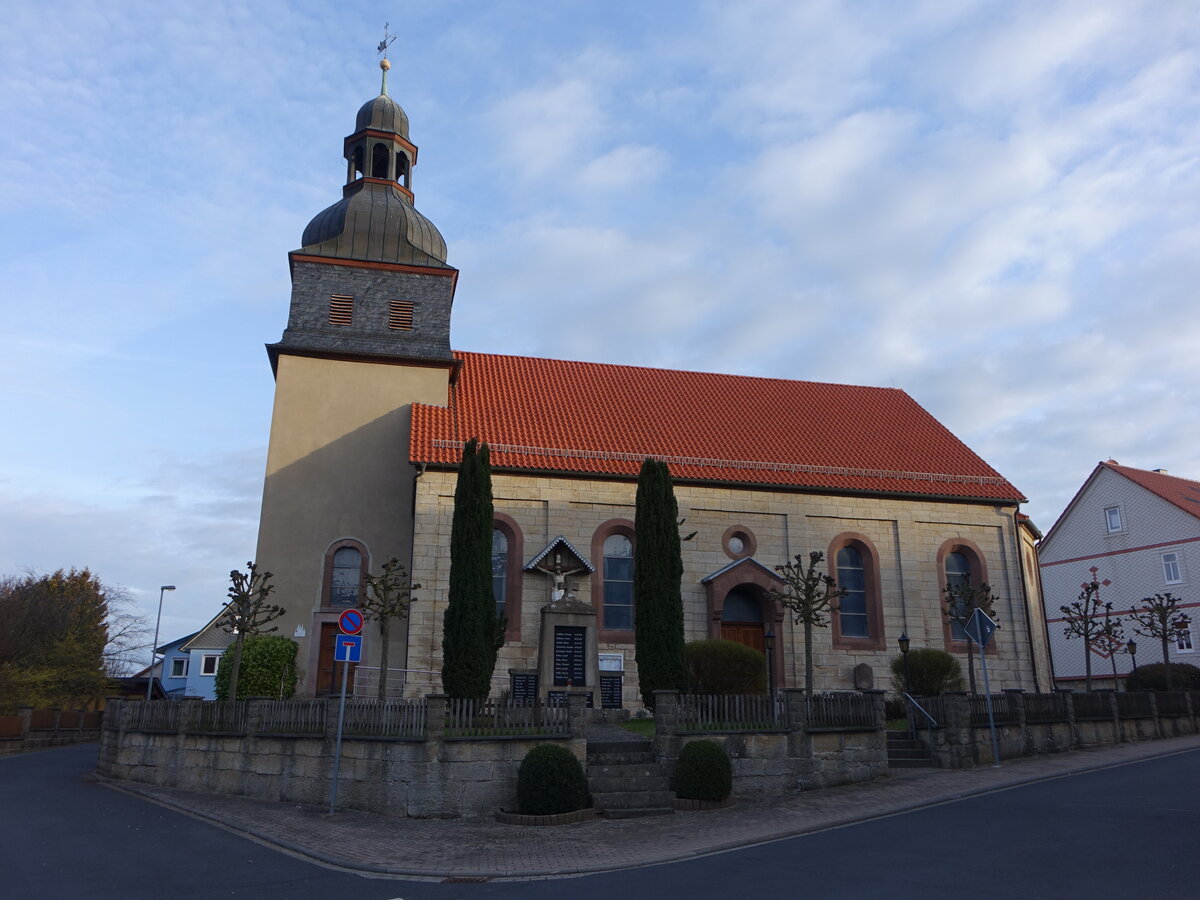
386	42
384	63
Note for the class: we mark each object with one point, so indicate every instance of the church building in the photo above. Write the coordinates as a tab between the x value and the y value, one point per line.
372	408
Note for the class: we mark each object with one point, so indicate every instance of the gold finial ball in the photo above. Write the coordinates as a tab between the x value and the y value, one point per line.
385	64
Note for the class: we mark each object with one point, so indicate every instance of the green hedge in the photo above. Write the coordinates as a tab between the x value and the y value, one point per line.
725	667
933	672
702	772
268	668
551	781
1153	677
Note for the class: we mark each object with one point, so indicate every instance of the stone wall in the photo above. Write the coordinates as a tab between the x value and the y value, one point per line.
959	743
429	777
792	758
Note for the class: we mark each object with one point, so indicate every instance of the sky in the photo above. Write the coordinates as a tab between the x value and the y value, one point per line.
990	205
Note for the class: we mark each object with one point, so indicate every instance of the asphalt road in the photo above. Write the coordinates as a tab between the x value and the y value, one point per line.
1124	832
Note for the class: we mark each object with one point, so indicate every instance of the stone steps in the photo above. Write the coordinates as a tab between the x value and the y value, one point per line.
906	753
625	779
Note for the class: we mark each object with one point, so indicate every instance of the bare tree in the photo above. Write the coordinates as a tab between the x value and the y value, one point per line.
812	596
385	597
1089	619
1159	617
962	599
247	613
128	634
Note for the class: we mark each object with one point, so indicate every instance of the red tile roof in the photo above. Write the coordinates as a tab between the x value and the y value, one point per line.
590	418
1182	492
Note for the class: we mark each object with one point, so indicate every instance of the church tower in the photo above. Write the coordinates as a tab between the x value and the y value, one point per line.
368	335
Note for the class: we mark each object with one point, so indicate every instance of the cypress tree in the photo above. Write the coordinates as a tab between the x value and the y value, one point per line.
657	571
469	629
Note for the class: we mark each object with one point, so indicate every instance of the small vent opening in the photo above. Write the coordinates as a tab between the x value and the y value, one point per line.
400	315
341	309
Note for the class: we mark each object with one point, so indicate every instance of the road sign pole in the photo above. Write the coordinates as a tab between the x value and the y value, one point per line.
991	718
337	747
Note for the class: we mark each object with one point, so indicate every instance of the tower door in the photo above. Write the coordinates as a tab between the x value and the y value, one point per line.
329	673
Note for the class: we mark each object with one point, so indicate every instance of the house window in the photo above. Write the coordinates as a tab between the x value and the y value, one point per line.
1112	518
341	309
1183	640
1172	574
209	663
400	315
618	582
179	667
852	607
499	569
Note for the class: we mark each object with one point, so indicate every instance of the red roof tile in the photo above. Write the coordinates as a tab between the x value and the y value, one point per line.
573	417
1182	492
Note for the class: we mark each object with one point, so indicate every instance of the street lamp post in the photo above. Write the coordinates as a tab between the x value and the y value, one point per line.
769	644
154	647
904	642
1131	647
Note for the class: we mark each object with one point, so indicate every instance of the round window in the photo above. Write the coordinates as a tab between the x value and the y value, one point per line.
738	542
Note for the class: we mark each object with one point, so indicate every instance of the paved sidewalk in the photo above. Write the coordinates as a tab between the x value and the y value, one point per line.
477	849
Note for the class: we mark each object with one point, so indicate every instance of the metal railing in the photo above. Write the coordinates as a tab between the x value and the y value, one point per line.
918	716
731	712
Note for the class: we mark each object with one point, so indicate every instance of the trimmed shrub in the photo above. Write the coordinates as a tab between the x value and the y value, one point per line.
933	672
550	781
702	772
1153	677
725	667
268	668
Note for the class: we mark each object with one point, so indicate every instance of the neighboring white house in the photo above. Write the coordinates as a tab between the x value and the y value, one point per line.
1136	533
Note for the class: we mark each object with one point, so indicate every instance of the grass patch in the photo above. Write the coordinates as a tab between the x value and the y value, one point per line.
643	727
897	724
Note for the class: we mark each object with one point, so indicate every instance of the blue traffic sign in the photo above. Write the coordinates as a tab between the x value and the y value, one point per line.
980	627
350	621
348	648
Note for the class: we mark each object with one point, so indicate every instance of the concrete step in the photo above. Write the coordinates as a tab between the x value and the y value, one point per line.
635	745
906	753
627	783
622	759
637	813
631	800
923	763
631	769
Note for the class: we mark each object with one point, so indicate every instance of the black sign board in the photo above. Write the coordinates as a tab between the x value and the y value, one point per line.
610	691
523	686
569	666
559	698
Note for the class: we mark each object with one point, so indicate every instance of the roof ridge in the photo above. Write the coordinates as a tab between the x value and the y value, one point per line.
631	366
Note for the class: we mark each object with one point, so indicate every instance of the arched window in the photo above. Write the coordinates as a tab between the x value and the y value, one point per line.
346	576
402	169
379	161
618	582
507	549
854	565
852	607
612	580
359	165
499	569
962	566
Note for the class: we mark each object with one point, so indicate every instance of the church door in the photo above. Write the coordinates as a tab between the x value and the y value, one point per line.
741	619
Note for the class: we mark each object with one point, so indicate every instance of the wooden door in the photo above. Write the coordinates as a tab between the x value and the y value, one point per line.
329	673
748	633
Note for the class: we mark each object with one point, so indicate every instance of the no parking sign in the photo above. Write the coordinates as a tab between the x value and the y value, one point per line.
350	621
